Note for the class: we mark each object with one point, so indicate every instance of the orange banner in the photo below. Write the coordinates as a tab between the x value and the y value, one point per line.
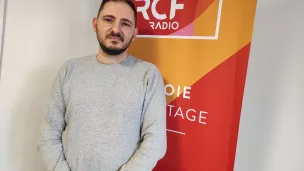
202	49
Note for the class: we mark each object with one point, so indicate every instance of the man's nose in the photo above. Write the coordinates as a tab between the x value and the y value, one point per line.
116	27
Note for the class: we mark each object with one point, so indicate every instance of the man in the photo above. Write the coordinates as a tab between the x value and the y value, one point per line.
107	111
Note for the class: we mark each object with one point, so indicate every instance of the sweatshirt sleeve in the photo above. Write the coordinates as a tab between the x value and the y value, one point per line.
153	131
50	141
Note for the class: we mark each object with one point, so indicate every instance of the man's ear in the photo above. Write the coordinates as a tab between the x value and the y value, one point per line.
94	22
135	34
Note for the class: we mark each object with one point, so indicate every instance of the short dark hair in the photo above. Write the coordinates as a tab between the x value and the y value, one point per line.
129	2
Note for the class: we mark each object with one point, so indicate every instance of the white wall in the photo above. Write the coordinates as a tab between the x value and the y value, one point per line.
40	36
271	136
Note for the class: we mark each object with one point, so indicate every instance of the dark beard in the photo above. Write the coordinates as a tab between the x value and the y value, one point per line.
113	51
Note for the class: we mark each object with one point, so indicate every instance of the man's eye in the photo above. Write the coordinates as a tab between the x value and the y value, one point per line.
126	24
108	20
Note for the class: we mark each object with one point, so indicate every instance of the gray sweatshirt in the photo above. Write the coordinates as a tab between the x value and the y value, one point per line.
105	117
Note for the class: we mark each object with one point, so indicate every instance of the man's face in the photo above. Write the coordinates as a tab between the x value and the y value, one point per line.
115	27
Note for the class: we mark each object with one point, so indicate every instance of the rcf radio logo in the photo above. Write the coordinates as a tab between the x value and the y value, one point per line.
178	18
